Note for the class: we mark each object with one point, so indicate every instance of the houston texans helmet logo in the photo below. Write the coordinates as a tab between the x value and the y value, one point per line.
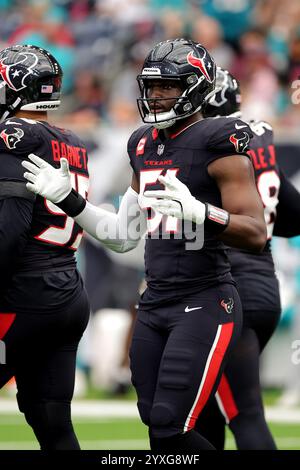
15	74
241	143
203	64
11	139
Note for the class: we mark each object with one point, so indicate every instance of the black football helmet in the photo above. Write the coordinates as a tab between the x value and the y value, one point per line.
227	98
185	61
30	79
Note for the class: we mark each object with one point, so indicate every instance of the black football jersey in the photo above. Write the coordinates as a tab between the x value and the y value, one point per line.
53	236
254	272
172	269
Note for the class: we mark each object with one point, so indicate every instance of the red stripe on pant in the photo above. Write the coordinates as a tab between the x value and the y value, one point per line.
6	320
228	403
212	367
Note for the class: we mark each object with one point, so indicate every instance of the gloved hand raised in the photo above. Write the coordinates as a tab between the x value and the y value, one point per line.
176	200
52	183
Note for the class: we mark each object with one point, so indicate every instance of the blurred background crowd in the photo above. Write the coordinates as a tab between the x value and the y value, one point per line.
101	45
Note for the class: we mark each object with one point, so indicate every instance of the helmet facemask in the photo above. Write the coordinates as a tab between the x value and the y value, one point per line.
176	65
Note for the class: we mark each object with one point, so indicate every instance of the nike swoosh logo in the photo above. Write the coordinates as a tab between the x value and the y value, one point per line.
187	309
239	127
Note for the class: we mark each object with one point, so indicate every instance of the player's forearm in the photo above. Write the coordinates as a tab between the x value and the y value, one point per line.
239	231
245	232
120	232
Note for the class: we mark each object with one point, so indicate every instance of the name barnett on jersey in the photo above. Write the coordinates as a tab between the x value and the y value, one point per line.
77	156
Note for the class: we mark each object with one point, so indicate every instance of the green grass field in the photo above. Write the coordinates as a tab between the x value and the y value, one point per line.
111	433
120	434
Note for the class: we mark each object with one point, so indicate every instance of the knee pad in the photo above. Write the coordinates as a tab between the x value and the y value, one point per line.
144	411
48	415
161	415
51	423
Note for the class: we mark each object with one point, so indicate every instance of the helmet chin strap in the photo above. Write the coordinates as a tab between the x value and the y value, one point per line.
162	120
164	124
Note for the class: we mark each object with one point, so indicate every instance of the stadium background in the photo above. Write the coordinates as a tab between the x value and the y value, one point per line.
101	45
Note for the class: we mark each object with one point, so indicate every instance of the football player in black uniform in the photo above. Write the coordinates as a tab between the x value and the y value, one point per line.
44	307
190	315
239	395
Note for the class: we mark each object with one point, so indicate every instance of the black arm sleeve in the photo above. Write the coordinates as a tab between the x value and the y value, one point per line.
15	220
287	223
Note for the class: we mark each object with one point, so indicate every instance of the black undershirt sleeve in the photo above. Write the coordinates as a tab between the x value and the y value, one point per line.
287	223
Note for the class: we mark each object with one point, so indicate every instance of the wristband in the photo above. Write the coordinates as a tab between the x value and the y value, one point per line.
73	204
216	219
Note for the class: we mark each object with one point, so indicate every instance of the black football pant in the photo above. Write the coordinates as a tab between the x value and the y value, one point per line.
239	393
41	354
177	356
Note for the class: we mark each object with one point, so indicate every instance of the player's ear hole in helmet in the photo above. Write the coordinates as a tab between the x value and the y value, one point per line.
185	61
226	100
30	79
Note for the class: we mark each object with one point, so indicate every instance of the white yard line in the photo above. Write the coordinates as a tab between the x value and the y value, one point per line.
88	408
276	414
112	409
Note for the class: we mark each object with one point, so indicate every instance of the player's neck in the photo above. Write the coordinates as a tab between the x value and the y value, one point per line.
182	124
34	115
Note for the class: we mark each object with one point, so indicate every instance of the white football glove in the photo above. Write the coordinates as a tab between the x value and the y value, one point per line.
52	183
176	200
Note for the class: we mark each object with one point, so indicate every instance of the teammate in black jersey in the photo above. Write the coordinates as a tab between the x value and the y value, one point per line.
190	315
43	305
239	394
